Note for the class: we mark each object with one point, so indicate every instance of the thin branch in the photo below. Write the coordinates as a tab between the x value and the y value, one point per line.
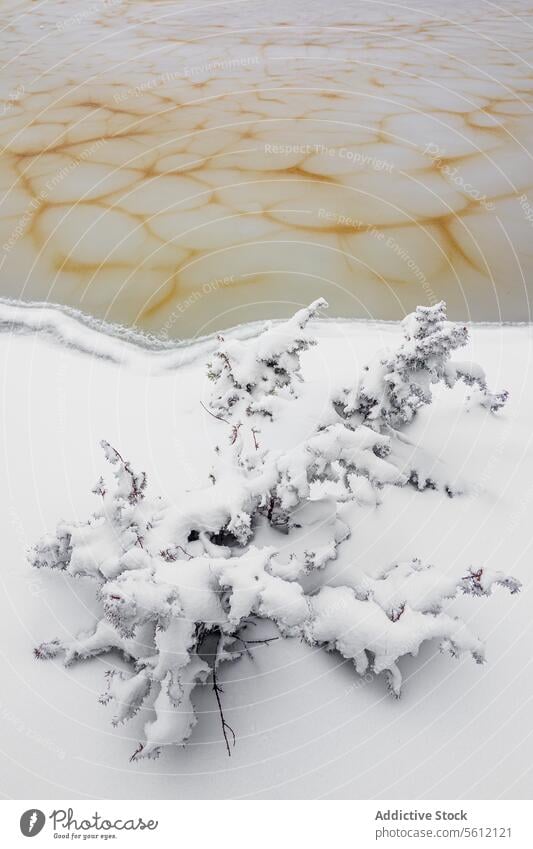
246	649
246	643
225	726
235	433
235	428
119	455
220	419
265	642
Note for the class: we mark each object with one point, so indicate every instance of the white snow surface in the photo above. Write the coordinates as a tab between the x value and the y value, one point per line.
306	725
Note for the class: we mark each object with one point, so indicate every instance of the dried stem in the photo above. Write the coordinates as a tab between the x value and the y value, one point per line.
225	726
220	419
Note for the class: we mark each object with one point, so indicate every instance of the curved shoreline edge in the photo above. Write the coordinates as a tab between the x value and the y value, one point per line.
85	333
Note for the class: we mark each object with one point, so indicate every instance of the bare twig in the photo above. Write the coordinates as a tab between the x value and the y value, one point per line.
225	726
214	414
234	428
265	642
247	643
235	433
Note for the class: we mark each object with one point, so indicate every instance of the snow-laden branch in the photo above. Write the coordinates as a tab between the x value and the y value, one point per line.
255	375
395	384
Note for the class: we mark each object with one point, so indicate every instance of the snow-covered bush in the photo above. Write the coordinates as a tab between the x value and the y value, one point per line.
180	583
395	384
251	376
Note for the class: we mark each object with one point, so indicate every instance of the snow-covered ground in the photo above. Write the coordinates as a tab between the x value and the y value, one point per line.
306	726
